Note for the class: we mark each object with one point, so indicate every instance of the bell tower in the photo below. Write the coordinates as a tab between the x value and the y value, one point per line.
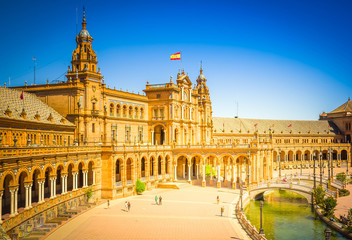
204	104
84	59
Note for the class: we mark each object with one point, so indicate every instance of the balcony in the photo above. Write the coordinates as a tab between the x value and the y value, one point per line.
158	118
95	113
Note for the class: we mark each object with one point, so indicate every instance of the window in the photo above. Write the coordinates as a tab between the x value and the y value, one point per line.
128	133
158	96
93	127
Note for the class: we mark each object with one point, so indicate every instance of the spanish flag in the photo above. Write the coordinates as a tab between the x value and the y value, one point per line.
176	56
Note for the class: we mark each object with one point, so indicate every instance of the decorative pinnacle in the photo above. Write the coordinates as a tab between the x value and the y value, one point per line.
201	67
84	19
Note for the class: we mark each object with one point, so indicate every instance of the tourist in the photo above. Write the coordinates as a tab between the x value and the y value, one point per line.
108	203
160	199
222	210
126	206
129	206
217	199
156	200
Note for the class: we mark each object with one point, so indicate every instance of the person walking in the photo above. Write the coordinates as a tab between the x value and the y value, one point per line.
126	206
129	206
217	199
222	210
156	199
160	200
108	203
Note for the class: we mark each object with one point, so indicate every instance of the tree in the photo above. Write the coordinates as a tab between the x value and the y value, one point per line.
329	205
208	171
319	195
341	177
140	186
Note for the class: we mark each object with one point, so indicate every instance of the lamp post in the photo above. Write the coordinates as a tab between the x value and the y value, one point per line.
249	155
327	233
329	159
321	165
241	195
279	163
261	230
314	156
332	165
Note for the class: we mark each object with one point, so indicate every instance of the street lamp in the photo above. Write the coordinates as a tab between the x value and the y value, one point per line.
327	233
321	165
329	159
241	195
279	163
261	230
314	156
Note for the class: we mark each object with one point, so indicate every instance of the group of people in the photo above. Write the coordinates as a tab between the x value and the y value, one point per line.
127	206
158	199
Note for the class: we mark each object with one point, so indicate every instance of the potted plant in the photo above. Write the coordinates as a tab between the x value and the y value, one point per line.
140	187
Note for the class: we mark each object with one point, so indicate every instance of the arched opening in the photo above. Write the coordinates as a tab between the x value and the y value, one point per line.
159	165
35	186
118	110
182	167
69	177
143	167
47	183
90	173
59	171
118	170
21	190
194	167
151	166
158	135
6	197
129	169
343	155
167	164
130	112
136	112
111	109
80	175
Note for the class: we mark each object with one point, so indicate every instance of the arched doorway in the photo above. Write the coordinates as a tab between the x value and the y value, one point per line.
21	190
118	170
35	187
59	171
69	178
80	175
90	173
159	165
129	170
6	197
47	183
159	135
182	167
143	167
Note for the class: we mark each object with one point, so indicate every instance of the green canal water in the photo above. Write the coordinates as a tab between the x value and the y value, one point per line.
287	216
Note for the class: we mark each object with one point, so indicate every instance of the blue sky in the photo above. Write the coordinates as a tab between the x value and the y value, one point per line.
278	59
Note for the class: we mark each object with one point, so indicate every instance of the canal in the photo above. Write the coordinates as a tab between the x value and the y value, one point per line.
286	216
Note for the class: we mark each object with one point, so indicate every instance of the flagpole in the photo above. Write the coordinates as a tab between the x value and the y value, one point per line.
181	59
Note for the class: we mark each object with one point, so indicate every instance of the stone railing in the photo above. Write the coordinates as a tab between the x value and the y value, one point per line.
32	151
246	224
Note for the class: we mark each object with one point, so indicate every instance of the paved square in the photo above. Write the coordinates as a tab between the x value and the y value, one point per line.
188	213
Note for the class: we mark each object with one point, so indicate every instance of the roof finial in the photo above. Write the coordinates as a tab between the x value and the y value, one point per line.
84	19
201	67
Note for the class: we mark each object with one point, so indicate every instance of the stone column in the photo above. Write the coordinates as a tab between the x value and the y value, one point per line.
197	170
218	184
211	174
189	173
203	182
234	177
16	195
39	192
183	171
152	132
43	191
175	177
93	177
54	186
51	188
12	211
63	177
29	196
1	193
26	197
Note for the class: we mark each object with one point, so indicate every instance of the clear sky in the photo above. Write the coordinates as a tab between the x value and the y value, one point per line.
278	59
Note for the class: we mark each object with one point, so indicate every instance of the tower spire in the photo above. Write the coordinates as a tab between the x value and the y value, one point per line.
201	67
84	24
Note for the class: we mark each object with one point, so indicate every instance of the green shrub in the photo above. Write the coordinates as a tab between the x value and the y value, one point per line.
341	177
89	193
349	218
207	171
344	192
140	186
329	205
319	195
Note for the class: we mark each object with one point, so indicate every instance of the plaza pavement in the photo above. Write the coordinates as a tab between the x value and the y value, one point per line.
188	213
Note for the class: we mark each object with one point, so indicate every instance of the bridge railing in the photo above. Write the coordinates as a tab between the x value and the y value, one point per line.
246	224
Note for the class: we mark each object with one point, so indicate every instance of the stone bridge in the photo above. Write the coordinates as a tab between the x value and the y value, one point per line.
256	191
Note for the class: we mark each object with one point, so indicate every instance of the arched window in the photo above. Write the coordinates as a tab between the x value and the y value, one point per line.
118	110
111	109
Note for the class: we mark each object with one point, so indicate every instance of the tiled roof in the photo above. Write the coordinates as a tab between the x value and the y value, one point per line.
32	106
346	107
241	125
